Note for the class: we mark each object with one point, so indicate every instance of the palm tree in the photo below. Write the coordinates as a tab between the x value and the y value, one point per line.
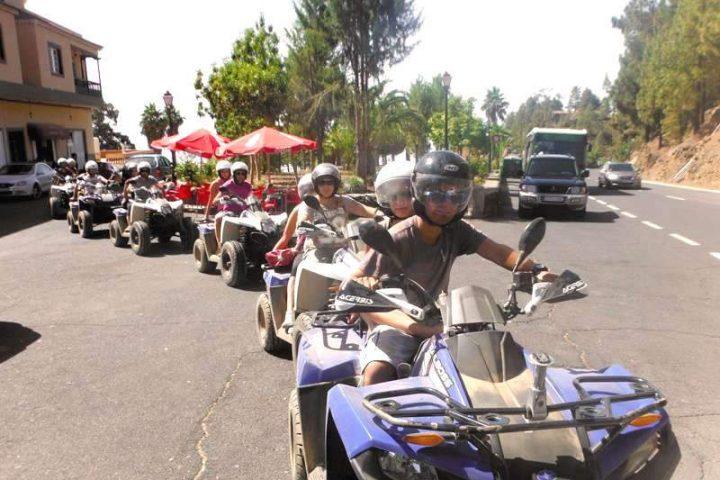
495	105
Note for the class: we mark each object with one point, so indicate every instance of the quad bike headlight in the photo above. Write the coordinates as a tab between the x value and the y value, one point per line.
400	467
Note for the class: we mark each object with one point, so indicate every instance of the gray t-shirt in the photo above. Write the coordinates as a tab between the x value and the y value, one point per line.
428	265
141	182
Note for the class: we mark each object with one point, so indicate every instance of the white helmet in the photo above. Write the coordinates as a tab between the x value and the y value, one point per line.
237	166
222	165
62	161
91	166
305	185
393	178
144	165
71	161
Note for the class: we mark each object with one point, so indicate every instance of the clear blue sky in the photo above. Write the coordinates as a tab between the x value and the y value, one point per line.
521	46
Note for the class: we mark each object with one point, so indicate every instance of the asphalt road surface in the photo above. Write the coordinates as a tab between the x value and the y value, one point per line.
115	366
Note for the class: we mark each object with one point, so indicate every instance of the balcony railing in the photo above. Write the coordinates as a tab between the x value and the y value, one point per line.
87	87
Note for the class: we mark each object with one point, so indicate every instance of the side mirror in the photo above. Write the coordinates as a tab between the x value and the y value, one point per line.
379	239
530	239
312	202
585	173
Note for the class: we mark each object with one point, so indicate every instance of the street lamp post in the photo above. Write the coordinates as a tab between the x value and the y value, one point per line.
168	99
446	78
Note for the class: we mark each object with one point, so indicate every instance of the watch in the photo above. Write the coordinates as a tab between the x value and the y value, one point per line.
538	268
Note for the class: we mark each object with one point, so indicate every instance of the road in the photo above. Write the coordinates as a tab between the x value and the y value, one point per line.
115	366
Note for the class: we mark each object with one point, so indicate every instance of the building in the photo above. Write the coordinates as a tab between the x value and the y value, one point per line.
49	86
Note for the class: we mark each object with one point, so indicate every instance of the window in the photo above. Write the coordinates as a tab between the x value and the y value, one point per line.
2	46
56	65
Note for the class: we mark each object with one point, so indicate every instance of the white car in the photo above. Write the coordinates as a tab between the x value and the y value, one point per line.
25	179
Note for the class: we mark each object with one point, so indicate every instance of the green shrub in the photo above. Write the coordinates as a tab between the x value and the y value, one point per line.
353	184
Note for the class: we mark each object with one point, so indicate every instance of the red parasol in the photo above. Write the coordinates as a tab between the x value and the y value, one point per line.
200	142
266	140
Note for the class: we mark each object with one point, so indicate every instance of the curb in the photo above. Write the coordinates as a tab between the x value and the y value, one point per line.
685	187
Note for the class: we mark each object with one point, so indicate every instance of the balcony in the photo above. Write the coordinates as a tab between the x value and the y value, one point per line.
86	87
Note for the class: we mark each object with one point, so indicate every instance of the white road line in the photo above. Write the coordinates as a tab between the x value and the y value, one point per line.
591	197
675	198
715	254
652	225
685	240
628	214
684	187
601	202
613	207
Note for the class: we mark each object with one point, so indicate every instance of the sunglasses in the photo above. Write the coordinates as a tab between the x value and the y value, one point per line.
453	196
396	197
326	182
241	172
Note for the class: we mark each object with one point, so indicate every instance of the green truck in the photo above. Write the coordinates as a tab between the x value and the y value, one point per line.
557	141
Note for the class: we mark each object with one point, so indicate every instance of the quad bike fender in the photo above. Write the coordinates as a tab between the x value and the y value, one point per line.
277	293
327	354
313	280
230	229
363	434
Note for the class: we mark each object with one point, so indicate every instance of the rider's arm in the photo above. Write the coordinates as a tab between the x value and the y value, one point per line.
214	187
402	322
506	258
290	227
357	208
128	182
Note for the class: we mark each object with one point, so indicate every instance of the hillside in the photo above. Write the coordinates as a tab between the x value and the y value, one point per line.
695	161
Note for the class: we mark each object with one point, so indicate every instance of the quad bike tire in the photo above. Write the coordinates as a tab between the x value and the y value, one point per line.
266	327
71	223
233	264
189	234
202	262
85	224
116	235
56	210
140	238
297	449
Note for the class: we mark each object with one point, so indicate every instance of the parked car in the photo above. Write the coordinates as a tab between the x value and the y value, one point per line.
553	180
25	180
160	164
615	174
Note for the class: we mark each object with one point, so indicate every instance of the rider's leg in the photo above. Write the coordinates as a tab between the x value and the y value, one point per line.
378	372
218	226
290	310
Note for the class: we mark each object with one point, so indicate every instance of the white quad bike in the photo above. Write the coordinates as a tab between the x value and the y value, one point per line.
60	196
150	216
245	238
94	206
339	251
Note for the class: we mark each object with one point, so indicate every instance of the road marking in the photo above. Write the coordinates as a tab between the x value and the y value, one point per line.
652	225
601	202
591	197
675	198
684	187
628	214
685	240
613	207
715	254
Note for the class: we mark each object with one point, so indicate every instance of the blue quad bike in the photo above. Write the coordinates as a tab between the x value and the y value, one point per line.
474	404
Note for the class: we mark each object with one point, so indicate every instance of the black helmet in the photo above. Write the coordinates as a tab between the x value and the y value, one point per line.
325	171
442	175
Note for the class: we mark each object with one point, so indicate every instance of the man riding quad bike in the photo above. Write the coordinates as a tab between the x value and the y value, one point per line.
392	382
61	190
242	233
94	200
149	215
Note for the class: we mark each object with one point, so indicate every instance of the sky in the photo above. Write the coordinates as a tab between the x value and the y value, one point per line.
521	46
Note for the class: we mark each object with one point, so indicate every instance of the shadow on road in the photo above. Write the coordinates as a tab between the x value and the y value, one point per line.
14	338
610	192
18	214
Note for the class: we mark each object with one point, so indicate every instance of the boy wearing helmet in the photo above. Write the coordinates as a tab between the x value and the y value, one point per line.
393	190
72	166
222	169
91	177
142	180
237	187
428	244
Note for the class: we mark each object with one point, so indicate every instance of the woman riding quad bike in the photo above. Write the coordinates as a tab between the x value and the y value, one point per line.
223	171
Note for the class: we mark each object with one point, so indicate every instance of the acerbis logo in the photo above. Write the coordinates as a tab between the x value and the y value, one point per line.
574	286
355	299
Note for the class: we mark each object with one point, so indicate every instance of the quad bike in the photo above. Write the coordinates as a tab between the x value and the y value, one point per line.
60	196
94	206
151	216
474	404
244	240
337	252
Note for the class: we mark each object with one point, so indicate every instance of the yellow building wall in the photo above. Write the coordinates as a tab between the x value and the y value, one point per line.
18	115
65	82
10	69
28	52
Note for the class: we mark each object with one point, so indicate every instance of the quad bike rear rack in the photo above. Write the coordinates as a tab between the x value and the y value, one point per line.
588	413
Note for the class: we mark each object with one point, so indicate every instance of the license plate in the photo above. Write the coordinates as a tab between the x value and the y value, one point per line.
551	198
